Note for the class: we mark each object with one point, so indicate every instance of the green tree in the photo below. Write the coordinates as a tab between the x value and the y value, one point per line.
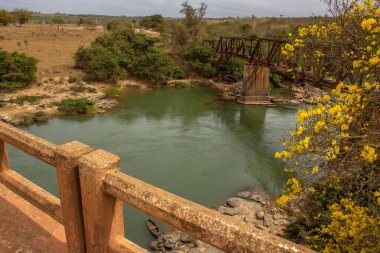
57	20
246	30
16	70
152	21
123	51
157	68
22	16
203	59
118	24
233	66
5	17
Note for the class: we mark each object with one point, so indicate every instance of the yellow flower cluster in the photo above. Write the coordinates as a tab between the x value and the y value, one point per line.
377	196
369	154
349	226
283	200
319	126
368	23
294	188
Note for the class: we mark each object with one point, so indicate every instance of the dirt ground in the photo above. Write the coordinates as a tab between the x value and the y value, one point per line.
53	47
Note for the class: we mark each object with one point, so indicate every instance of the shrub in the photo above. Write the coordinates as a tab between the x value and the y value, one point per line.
204	69
113	91
179	34
72	79
233	66
201	53
78	87
57	20
203	59
111	56
11	85
22	16
151	21
99	63
5	17
275	79
22	99
157	68
116	24
76	105
28	118
16	70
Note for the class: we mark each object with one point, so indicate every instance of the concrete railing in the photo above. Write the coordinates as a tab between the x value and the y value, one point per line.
92	192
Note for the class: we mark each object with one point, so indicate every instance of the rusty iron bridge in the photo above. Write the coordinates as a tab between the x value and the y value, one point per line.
267	53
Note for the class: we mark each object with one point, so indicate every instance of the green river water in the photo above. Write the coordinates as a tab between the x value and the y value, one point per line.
186	141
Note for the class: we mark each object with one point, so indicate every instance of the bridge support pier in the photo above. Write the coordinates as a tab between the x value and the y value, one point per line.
255	85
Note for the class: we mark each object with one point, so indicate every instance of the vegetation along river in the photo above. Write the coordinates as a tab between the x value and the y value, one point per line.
186	141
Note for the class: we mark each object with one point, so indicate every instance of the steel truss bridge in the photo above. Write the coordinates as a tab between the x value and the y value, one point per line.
267	53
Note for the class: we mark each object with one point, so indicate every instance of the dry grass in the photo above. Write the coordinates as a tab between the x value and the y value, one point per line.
52	47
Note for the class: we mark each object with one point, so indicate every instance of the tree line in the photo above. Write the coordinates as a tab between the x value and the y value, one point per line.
20	16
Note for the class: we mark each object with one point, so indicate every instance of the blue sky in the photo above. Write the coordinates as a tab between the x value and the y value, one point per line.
170	8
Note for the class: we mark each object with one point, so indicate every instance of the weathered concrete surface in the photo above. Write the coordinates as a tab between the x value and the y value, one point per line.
102	214
225	233
34	194
24	228
255	85
70	193
121	244
30	144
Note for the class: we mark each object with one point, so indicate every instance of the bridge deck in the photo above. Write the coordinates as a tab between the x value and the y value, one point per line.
24	228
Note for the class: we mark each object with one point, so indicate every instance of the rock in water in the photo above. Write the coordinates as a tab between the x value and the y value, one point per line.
186	238
244	195
153	245
258	198
235	202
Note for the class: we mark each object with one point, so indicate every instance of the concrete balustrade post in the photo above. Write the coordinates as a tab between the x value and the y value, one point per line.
67	156
103	214
4	165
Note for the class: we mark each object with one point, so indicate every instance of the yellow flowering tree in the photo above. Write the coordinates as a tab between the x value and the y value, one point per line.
343	47
333	154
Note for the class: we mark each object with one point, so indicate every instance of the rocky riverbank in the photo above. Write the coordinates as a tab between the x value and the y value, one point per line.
253	207
287	94
39	102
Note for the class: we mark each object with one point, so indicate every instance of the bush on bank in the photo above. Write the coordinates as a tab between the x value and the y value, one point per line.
76	106
113	91
16	70
203	60
112	56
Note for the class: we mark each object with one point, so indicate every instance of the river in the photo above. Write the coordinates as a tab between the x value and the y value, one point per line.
186	141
